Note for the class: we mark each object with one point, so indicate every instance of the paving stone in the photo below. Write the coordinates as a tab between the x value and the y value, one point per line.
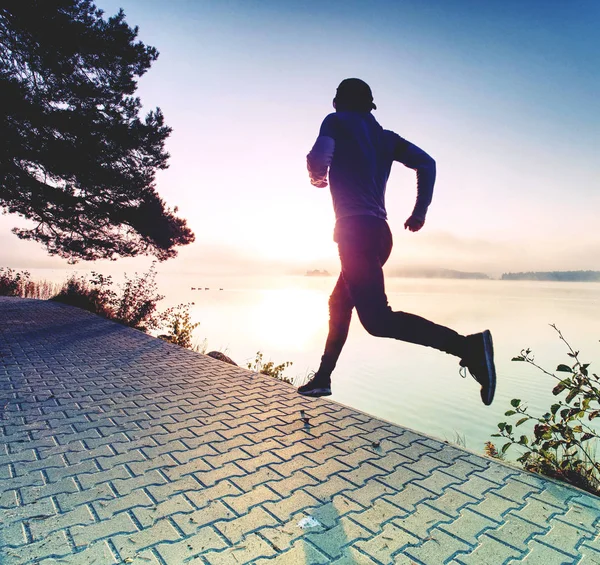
451	502
329	513
352	556
390	541
95	554
536	511
251	549
582	517
211	513
333	541
517	532
42	525
437	482
410	497
371	490
128	546
202	496
69	499
494	507
301	553
55	545
149	479
565	536
469	526
298	501
400	477
108	508
237	529
42	507
118	524
488	552
380	512
438	548
326	490
540	554
201	541
588	556
251	480
258	495
285	487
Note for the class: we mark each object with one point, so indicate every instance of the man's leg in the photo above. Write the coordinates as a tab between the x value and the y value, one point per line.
340	314
364	246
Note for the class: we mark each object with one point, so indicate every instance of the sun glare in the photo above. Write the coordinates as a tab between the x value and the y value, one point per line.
290	318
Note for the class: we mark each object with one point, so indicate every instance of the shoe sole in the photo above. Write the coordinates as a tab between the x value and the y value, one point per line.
488	349
316	392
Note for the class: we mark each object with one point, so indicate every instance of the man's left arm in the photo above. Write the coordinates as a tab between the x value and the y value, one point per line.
415	158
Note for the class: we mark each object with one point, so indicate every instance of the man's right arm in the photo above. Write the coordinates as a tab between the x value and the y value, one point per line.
415	158
320	156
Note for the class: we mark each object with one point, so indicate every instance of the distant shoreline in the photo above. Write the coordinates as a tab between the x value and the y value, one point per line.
433	273
553	276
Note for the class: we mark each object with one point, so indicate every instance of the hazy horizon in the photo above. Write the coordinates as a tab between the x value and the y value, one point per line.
501	94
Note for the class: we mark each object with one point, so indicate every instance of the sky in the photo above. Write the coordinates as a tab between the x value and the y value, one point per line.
503	94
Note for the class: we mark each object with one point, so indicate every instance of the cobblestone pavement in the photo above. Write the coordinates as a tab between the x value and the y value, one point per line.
121	448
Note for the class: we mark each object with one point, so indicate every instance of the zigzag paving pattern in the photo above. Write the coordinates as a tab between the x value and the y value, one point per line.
121	448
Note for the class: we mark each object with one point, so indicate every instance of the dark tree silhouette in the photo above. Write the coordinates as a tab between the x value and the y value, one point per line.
75	157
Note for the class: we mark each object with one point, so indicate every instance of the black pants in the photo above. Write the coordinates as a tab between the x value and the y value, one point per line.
365	244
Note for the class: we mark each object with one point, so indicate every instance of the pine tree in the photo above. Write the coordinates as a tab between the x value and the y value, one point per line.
75	156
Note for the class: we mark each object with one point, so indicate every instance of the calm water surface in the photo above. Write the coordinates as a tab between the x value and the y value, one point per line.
417	387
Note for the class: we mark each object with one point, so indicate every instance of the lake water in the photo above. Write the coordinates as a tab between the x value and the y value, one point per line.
286	318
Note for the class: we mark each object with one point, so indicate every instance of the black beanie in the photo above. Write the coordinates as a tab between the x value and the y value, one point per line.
356	94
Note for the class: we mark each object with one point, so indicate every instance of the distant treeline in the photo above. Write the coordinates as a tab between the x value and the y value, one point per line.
579	276
433	273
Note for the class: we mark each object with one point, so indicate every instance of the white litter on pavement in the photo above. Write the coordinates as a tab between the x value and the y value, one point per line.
308	522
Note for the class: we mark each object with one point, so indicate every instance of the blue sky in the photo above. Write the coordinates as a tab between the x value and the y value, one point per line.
504	95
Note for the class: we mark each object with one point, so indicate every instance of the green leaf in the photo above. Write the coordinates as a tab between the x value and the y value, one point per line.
521	421
505	447
518	358
501	426
564	368
515	402
510	413
523	440
554	408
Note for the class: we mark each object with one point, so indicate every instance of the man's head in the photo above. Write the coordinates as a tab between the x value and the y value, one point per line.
353	95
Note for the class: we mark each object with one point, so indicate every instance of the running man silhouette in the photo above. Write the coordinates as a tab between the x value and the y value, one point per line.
358	154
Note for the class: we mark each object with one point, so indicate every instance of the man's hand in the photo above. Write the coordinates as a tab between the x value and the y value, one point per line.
414	223
321	183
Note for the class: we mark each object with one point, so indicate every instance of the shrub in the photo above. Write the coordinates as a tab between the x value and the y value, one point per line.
178	324
563	443
137	305
269	368
12	282
92	295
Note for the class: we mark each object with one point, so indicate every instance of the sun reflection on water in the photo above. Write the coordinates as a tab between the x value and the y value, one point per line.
289	318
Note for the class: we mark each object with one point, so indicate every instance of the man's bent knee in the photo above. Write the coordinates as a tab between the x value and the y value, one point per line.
376	326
